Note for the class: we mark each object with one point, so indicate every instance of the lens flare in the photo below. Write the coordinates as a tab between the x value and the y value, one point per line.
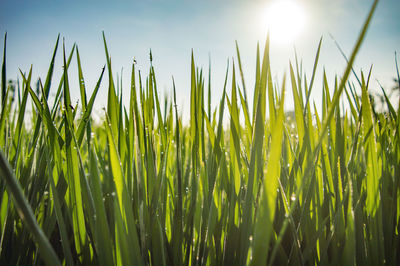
285	20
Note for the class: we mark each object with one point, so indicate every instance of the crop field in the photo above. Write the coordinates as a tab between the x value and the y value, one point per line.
145	188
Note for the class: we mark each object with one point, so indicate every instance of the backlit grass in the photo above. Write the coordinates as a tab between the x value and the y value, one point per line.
144	188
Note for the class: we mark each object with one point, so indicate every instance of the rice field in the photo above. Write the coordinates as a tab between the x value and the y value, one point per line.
145	188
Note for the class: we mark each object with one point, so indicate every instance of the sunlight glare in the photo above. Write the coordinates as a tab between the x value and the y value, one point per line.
285	20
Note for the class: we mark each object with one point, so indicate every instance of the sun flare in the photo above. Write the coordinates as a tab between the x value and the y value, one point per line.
285	20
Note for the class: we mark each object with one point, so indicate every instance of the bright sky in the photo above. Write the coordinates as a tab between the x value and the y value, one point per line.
172	28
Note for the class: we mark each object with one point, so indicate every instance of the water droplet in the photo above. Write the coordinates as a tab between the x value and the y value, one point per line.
293	197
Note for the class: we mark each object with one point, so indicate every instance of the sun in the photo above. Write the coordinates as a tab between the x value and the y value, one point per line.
285	20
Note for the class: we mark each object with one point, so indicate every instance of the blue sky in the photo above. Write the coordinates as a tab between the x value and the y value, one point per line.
173	28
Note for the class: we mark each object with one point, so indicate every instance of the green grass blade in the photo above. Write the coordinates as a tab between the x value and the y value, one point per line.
88	110
81	81
389	104
61	224
254	171
373	176
73	169
123	198
177	233
26	214
102	234
47	83
346	73
112	103
241	75
58	96
3	73
313	74
3	117
263	228
298	108
20	121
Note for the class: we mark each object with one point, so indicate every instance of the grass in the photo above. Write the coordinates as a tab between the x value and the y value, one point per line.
143	188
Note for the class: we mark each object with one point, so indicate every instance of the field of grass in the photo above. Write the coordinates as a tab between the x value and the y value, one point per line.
144	188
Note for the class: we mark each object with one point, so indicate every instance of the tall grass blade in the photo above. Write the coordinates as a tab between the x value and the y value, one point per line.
263	228
3	73
26	214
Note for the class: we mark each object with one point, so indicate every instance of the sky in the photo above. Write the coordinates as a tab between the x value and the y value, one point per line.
173	29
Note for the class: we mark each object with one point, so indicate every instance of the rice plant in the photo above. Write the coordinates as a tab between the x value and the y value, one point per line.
145	188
